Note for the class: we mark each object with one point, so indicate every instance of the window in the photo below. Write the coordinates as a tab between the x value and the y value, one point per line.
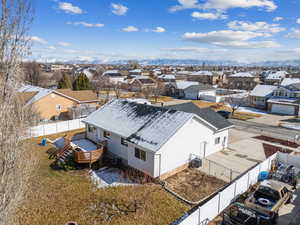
91	128
217	140
58	107
106	134
140	154
124	142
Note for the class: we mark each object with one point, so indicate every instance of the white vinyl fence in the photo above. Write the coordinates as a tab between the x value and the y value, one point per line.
203	213
53	128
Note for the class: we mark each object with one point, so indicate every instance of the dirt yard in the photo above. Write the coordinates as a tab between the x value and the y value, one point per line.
193	184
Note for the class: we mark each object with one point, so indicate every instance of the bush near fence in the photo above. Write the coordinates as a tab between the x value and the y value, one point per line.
211	207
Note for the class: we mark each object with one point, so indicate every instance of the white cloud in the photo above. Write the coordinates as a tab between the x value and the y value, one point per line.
159	30
64	44
69	8
223	5
85	24
298	20
119	9
230	38
51	47
258	26
208	16
38	40
295	33
130	29
278	18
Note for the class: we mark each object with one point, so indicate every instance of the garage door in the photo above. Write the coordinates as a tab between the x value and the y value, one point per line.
283	109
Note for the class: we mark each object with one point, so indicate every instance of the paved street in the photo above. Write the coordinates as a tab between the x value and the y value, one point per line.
265	129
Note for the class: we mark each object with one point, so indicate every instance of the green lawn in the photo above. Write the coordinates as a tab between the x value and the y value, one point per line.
56	197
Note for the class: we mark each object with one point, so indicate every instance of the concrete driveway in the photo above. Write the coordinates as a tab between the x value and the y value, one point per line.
270	119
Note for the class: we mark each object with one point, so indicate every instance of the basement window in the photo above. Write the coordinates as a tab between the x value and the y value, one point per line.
217	140
106	134
124	142
91	129
140	154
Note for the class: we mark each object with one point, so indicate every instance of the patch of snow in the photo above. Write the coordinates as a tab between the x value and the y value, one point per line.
291	126
251	110
85	145
109	177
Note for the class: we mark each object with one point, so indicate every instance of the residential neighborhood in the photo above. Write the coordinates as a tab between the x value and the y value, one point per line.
180	112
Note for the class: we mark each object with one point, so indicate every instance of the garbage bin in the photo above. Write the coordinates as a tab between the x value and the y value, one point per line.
44	142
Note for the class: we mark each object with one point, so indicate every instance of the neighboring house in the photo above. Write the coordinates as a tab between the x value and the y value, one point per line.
242	81
176	89
274	78
54	104
141	82
260	95
200	91
205	77
157	141
137	72
114	76
167	78
288	81
285	100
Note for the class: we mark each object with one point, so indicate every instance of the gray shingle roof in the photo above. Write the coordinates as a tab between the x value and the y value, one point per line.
206	114
144	125
263	90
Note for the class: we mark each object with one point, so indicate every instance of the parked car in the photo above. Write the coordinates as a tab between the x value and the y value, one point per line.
225	114
268	197
239	214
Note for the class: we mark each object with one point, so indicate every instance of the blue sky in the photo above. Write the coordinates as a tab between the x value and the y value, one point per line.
241	30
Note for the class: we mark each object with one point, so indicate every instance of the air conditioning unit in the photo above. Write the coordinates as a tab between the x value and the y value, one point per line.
196	163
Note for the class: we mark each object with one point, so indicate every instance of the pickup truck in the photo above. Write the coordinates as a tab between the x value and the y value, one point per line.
239	214
268	197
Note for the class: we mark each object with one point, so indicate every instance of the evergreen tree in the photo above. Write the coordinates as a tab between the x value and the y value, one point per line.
81	83
65	82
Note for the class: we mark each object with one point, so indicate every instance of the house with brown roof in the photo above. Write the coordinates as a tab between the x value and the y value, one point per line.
141	82
60	103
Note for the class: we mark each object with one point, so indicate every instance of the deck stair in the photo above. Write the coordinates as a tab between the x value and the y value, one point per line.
65	153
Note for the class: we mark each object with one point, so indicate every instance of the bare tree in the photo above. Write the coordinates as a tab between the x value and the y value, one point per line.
102	84
158	91
33	73
236	101
15	19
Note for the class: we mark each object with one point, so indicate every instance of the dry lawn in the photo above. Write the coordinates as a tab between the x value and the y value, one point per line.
221	106
56	197
193	184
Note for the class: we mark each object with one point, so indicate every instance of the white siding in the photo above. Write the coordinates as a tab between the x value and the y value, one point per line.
144	166
186	142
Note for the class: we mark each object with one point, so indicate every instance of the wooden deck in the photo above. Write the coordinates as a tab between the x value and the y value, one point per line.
86	157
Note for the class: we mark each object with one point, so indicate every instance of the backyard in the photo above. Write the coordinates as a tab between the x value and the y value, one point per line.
194	185
58	196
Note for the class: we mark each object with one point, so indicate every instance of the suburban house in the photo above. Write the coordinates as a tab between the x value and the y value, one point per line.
177	89
260	95
285	100
274	78
155	140
55	104
242	81
167	78
114	76
205	77
141	82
